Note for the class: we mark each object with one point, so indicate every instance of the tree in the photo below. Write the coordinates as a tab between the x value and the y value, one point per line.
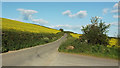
61	29
95	33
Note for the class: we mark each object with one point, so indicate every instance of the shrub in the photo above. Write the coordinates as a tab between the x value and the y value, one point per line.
14	39
61	30
95	33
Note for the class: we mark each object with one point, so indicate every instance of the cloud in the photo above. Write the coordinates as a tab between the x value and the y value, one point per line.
67	12
116	16
105	10
67	27
27	14
80	14
113	23
40	21
114	11
116	5
99	17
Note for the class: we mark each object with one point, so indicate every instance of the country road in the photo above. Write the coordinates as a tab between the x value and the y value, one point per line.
47	55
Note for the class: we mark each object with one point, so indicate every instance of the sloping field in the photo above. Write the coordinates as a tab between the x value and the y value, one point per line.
26	27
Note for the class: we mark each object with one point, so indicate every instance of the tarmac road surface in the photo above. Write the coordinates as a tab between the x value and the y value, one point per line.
48	55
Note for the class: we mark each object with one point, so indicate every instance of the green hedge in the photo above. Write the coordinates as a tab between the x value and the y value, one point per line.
14	40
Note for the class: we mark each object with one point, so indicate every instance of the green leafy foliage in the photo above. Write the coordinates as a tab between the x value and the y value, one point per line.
61	29
14	39
95	33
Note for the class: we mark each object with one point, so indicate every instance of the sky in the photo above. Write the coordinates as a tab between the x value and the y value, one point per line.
60	0
67	15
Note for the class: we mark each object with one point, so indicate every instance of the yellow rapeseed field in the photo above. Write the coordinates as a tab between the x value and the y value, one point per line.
17	25
113	42
75	35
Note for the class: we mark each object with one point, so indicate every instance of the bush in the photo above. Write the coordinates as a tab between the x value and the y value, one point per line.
14	39
61	30
95	33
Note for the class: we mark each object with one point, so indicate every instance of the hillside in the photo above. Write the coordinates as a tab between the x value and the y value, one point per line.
26	27
17	35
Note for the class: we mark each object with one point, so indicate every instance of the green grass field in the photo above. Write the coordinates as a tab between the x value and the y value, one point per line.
17	35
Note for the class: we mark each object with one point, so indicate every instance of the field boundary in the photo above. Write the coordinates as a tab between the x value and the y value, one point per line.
32	47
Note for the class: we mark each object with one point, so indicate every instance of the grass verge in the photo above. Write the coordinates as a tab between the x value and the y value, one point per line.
88	49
